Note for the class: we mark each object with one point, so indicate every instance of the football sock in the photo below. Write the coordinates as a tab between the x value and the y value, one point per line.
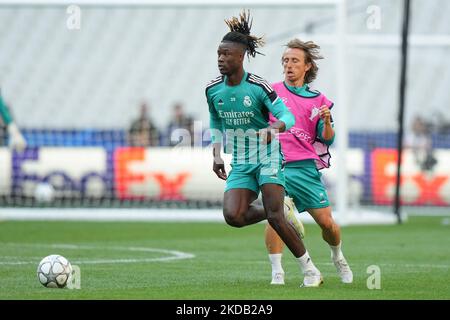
306	263
275	261
336	252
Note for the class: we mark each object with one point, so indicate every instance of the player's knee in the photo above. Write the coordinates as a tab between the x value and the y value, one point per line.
234	222
274	219
233	218
326	223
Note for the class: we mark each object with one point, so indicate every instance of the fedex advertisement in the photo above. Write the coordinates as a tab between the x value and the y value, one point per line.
416	187
166	174
133	173
73	172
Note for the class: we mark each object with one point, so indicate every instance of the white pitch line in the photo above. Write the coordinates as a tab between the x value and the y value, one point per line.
408	265
174	255
114	261
10	263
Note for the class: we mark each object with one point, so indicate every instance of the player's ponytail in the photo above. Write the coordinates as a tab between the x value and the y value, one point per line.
240	32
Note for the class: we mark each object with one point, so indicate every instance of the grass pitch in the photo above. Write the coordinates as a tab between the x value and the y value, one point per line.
214	261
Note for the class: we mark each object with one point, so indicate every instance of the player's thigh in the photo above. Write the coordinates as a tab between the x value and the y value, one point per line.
236	201
241	189
273	197
306	188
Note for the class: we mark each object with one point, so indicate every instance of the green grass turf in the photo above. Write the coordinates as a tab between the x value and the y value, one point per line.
229	263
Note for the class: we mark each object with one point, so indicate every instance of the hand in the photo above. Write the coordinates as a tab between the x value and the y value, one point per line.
16	139
219	168
325	114
266	134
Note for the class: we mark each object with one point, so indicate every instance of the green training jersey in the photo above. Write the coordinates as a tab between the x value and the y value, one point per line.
238	112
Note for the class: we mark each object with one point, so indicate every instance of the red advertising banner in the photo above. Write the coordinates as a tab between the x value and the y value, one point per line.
417	187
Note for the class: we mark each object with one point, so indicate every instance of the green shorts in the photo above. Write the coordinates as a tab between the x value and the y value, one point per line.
304	185
253	176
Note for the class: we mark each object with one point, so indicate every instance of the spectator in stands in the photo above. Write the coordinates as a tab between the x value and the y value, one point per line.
442	124
142	132
182	121
16	139
421	143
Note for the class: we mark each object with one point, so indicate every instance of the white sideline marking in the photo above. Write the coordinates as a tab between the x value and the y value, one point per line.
173	254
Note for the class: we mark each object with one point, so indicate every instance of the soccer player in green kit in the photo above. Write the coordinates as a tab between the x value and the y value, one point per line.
16	140
239	105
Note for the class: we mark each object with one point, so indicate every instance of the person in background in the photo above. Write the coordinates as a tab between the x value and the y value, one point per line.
184	123
16	139
421	143
142	132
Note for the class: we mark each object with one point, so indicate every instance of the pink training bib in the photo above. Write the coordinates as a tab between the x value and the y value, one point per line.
302	142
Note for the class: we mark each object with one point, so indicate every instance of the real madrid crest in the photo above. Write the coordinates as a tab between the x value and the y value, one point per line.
247	101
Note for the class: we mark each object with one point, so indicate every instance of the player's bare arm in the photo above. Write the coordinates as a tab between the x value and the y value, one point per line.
266	134
325	115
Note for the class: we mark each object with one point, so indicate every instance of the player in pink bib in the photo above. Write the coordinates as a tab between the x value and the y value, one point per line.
305	148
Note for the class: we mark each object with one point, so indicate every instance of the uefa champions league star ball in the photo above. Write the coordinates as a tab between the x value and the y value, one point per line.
54	271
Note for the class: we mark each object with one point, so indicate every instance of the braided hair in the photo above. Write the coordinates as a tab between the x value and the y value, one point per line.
240	33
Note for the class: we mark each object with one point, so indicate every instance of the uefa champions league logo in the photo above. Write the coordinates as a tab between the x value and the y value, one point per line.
314	113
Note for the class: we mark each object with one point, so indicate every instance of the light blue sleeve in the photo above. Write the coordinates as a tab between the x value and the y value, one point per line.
320	127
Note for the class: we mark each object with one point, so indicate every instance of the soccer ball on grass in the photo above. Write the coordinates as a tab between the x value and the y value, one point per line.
54	271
